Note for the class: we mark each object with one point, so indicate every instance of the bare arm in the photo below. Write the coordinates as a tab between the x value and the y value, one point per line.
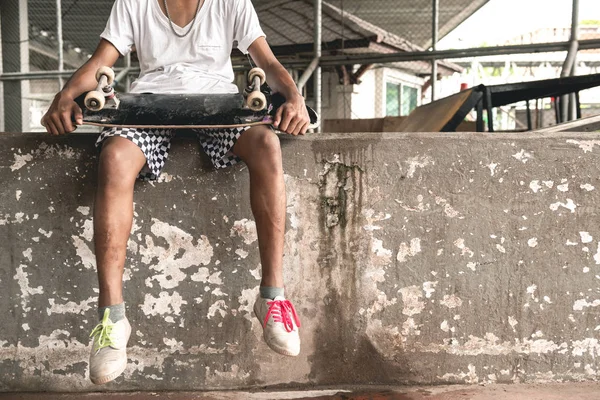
291	117
57	119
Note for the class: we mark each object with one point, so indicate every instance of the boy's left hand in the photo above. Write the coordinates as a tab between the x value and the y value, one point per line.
292	117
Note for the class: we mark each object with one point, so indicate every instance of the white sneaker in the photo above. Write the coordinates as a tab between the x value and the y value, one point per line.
108	359
280	324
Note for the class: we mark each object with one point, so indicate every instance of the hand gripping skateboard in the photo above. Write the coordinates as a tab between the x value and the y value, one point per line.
256	106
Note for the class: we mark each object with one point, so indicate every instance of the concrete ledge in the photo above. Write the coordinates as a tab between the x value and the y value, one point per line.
553	391
428	259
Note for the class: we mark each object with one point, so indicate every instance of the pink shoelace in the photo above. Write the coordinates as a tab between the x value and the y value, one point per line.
283	311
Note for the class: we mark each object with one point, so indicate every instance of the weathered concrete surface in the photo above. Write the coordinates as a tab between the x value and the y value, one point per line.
430	258
553	391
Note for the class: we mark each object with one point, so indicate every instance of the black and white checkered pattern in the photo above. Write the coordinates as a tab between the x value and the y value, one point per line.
217	143
156	143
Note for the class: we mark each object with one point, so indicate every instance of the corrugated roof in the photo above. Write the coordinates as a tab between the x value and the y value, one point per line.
292	22
410	19
289	26
83	20
285	22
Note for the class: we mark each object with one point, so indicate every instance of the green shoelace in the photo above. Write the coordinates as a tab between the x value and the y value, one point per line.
102	332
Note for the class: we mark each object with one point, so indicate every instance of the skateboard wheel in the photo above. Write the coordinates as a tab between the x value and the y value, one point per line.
94	100
108	72
256	72
256	101
314	124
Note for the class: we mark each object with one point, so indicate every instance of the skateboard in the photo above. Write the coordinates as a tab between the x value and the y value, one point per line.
255	106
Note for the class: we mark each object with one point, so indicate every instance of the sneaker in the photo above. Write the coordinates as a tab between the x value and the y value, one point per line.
109	356
280	324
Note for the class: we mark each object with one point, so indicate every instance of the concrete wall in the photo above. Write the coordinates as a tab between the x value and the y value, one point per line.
430	258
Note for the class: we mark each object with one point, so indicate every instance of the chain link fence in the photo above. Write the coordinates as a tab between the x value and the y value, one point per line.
368	90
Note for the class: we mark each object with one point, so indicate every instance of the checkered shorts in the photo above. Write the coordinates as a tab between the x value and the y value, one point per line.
156	143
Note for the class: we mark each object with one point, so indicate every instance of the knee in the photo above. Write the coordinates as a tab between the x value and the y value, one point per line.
266	147
118	163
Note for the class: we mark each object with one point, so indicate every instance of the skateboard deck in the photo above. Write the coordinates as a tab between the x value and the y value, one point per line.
181	111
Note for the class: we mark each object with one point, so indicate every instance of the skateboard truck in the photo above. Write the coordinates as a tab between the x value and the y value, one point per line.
255	99
96	99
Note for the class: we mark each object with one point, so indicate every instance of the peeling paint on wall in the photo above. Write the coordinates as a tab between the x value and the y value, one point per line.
407	250
397	254
27	291
43	151
418	162
523	156
585	145
245	229
451	301
412	300
171	262
71	306
165	303
569	205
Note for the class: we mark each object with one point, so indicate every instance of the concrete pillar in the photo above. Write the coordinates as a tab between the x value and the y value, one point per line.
318	37
344	97
1	84
15	58
434	39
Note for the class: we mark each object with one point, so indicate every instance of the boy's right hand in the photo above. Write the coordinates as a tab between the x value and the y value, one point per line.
57	119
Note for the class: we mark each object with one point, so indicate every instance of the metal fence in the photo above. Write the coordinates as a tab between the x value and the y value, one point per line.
378	57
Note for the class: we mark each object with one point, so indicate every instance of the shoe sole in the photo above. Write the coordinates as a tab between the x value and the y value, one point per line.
108	378
278	350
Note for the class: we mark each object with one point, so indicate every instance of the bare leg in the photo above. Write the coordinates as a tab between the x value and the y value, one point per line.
259	148
119	165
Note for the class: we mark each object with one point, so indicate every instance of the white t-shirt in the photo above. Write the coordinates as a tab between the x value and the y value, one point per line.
197	63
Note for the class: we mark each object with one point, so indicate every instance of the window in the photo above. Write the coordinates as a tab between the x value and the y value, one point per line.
409	99
392	99
400	99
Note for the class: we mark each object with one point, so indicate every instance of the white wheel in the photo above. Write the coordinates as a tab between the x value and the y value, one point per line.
315	125
256	101
108	72
256	72
94	100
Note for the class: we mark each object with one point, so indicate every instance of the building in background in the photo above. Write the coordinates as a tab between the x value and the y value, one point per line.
495	70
